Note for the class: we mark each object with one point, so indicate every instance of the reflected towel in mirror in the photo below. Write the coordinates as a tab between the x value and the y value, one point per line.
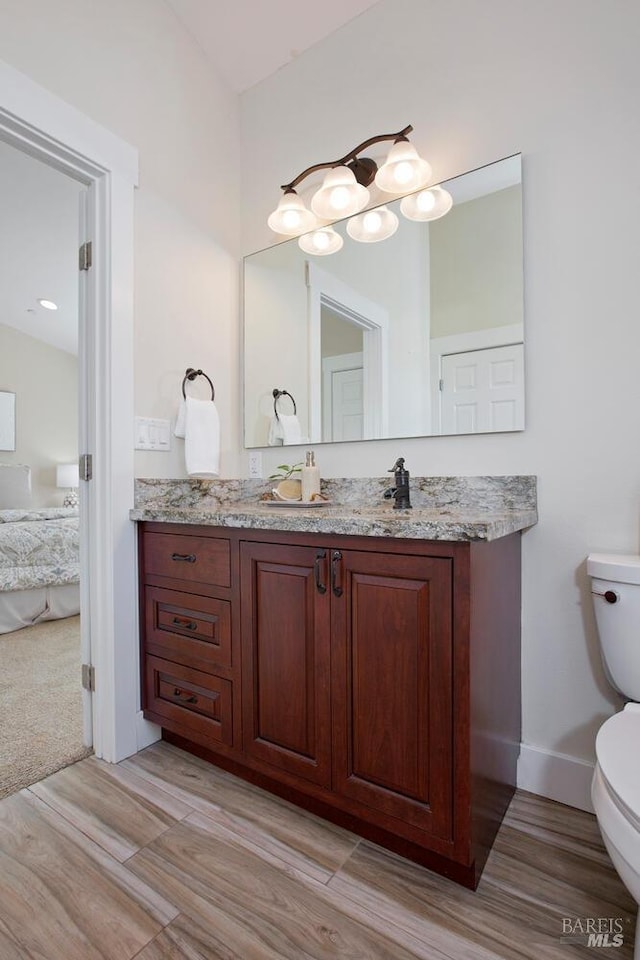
284	430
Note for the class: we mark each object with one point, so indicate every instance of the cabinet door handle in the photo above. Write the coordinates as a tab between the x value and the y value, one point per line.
184	697
184	557
187	624
320	586
336	557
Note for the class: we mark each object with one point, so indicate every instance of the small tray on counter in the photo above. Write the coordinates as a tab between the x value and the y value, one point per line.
296	503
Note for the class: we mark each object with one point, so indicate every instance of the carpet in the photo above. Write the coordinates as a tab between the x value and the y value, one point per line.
40	702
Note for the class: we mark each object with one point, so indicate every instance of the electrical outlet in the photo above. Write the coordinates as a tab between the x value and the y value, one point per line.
255	465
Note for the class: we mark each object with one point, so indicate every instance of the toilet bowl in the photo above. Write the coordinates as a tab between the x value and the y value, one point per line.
615	788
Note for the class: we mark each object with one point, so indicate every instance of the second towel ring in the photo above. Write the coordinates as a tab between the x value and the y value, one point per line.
282	393
191	374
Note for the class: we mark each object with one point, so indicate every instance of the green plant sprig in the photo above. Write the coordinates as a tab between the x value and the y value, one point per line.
285	471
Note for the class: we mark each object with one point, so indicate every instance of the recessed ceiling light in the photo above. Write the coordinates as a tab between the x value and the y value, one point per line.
48	304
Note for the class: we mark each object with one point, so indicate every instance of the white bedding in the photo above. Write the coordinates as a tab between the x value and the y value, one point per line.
39	566
39	548
23	608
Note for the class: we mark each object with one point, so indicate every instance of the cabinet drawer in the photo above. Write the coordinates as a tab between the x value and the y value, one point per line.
193	704
201	559
188	629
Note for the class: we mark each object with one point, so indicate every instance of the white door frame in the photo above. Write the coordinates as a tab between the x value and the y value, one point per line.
40	124
326	290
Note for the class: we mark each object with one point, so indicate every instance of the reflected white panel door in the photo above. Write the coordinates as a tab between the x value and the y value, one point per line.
343	406
483	390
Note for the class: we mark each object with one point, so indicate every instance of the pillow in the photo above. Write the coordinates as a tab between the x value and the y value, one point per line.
15	485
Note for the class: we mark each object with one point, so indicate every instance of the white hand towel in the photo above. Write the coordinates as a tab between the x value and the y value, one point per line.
291	429
275	433
178	430
201	438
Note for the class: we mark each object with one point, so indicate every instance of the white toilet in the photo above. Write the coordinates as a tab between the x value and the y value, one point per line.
615	790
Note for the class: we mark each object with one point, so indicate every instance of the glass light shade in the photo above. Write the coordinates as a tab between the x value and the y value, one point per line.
321	242
403	170
291	217
374	225
339	196
67	475
429	204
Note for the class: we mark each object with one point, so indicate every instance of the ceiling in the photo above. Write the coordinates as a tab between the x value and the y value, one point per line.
39	229
248	40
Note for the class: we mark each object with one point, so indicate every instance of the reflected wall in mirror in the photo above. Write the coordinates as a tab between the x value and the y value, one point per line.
421	334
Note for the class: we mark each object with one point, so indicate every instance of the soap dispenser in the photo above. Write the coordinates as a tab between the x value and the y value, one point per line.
310	477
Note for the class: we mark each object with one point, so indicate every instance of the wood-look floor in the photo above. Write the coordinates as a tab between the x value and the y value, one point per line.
165	857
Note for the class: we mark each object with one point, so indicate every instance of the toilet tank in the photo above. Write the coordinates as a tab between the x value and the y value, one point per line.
615	590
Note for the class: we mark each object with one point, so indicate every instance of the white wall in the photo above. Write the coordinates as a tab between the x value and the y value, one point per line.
45	382
480	81
134	69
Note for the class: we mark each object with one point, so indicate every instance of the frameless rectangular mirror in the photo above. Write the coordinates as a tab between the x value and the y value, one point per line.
421	334
7	420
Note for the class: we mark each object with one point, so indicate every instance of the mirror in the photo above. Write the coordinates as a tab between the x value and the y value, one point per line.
421	334
7	420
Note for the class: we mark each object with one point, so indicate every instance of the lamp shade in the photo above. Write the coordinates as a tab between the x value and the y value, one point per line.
428	204
321	242
339	196
291	217
67	475
403	170
373	225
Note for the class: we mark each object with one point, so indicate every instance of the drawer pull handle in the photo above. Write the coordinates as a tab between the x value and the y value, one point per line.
336	557
184	557
320	586
187	624
184	697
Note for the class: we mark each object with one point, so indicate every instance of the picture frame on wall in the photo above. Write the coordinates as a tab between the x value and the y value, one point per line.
7	420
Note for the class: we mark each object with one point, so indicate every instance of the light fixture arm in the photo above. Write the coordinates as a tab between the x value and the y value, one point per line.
352	155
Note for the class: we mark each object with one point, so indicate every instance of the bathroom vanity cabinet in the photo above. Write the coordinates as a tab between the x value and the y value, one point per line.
374	681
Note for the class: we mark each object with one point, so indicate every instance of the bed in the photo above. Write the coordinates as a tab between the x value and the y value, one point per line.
39	560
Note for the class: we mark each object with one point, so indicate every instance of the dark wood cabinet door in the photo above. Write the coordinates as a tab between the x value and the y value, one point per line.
392	686
286	659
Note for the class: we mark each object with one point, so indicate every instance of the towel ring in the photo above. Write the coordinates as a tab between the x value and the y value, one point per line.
191	374
282	393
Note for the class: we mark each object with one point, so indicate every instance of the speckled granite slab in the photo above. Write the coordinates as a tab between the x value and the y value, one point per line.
444	508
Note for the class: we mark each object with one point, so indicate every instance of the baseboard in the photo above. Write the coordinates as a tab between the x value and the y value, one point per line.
556	776
146	732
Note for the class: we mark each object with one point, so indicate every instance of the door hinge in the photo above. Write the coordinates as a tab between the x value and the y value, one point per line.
85	256
85	465
441	385
88	677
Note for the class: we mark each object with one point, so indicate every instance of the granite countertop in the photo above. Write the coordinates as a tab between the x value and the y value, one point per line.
418	523
444	508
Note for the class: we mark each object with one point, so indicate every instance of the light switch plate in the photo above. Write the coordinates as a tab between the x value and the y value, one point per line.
152	434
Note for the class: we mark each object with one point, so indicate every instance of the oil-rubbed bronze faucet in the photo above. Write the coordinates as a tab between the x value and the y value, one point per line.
400	492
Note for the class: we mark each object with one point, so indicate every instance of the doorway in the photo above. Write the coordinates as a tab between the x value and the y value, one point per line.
42	723
48	128
338	312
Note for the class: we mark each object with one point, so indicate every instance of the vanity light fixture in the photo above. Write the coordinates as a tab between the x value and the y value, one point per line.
344	193
340	195
404	170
